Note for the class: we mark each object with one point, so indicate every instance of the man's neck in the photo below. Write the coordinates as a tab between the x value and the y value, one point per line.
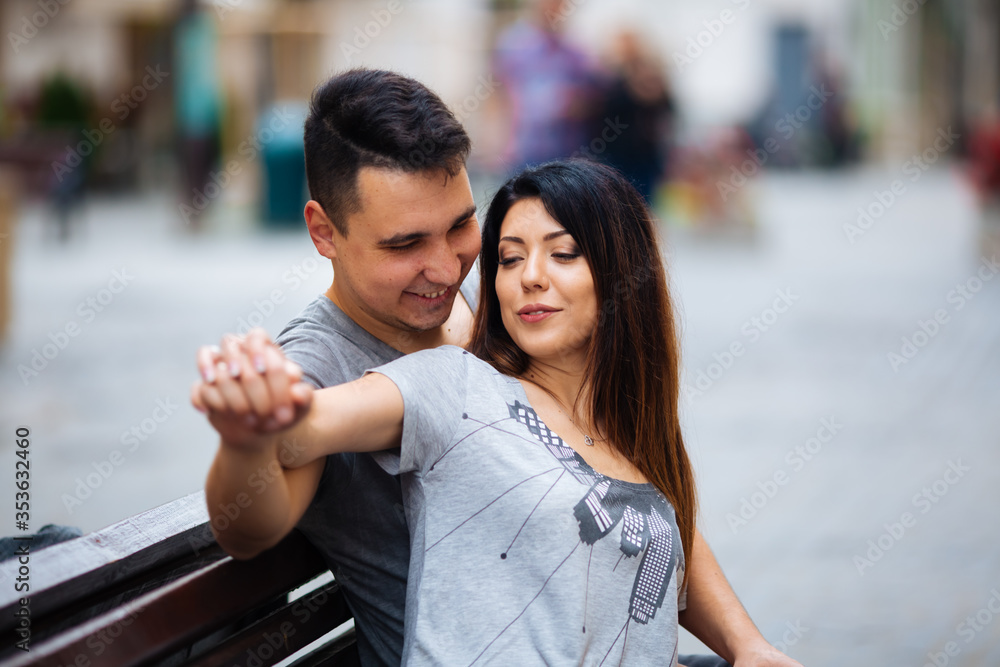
455	331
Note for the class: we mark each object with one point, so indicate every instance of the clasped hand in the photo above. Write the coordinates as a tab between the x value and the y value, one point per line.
249	390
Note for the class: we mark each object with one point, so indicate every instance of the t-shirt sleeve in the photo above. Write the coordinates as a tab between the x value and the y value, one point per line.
433	384
682	591
322	364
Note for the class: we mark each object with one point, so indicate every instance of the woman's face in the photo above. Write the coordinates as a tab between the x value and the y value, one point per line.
544	286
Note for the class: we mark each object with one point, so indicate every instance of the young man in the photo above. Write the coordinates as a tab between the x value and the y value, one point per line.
393	211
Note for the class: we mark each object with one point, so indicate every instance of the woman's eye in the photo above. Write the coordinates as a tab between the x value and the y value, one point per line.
566	255
507	260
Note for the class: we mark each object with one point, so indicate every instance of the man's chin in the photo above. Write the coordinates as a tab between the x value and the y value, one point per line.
424	321
419	325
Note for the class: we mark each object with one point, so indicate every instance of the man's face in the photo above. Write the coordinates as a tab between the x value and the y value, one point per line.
407	250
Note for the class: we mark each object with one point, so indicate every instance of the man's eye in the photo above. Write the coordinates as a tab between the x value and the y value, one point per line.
408	246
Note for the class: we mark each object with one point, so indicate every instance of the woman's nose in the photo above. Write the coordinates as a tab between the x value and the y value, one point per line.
534	275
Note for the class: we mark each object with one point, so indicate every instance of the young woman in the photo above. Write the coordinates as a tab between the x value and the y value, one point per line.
547	489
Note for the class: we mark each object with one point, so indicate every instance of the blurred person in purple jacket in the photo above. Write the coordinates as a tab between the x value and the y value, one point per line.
549	87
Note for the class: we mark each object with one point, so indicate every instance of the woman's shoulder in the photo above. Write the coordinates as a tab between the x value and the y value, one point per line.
451	354
453	359
447	358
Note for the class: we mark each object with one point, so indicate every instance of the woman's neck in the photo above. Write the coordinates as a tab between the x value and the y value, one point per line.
564	383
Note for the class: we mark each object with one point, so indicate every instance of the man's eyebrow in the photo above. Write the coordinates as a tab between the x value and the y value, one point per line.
401	239
466	214
404	238
547	237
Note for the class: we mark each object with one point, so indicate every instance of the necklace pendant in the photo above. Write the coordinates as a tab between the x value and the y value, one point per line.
587	440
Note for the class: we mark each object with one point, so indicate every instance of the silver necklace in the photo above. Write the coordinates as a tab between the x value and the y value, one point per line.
587	440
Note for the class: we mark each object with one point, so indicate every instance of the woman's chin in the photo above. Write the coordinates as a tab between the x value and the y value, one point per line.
555	353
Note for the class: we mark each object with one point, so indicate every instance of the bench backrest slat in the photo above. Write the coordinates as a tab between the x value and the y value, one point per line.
157	588
291	627
72	570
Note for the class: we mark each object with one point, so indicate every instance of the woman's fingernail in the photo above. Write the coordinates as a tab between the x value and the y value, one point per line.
259	365
250	420
209	374
234	369
283	414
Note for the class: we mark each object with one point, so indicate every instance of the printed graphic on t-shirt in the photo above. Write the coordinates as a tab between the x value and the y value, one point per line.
604	505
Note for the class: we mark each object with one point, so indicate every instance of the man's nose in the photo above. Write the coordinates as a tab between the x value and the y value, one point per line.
443	265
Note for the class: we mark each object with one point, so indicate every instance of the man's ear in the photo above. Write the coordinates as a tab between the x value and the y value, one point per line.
324	234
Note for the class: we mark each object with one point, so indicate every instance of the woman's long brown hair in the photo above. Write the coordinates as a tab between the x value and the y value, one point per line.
633	368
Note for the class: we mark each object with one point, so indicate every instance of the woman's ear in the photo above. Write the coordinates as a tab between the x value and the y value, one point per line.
324	235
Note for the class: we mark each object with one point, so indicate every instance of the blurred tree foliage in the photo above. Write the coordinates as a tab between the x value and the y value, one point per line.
63	103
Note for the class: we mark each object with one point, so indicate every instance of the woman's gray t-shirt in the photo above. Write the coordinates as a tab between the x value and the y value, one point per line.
521	553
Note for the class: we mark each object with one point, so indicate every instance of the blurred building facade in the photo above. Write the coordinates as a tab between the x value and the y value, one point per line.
906	68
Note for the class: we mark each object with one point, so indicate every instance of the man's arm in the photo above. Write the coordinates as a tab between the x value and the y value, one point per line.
275	434
254	502
715	616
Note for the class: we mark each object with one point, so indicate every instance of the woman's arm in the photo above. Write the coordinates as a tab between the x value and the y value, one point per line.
365	415
275	432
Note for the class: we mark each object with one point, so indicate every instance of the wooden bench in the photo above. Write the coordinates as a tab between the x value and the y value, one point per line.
156	589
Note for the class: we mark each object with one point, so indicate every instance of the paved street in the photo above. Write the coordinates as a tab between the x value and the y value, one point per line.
849	479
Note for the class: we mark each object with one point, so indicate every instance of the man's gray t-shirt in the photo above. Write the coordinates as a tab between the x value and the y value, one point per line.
356	518
521	553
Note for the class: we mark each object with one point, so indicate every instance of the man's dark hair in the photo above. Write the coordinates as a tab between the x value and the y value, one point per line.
375	118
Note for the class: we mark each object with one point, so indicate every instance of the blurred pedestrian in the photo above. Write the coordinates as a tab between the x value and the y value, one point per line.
548	87
638	100
64	111
198	104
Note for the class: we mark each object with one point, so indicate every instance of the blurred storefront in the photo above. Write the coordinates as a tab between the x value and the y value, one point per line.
903	69
927	65
269	54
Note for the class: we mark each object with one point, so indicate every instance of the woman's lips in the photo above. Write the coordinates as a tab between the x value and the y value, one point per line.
536	313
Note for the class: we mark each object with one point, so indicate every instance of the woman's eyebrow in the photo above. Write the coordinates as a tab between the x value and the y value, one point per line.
547	237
